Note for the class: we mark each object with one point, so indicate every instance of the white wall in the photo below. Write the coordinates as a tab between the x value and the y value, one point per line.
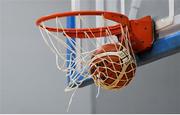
30	81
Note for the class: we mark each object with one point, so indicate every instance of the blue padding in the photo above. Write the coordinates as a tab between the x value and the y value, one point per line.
70	23
71	52
161	48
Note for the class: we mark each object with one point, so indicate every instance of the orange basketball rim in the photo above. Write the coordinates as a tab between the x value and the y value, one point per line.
141	30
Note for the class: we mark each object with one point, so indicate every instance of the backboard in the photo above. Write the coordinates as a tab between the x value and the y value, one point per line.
167	24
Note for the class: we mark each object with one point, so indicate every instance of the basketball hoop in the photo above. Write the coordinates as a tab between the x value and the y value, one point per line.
112	65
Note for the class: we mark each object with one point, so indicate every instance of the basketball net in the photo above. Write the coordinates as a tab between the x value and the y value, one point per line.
77	61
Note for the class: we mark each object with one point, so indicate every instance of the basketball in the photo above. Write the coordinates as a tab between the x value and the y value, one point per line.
112	67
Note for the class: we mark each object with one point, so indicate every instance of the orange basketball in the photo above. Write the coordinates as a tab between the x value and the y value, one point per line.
112	67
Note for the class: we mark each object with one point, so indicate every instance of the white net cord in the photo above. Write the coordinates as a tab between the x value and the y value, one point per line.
89	64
